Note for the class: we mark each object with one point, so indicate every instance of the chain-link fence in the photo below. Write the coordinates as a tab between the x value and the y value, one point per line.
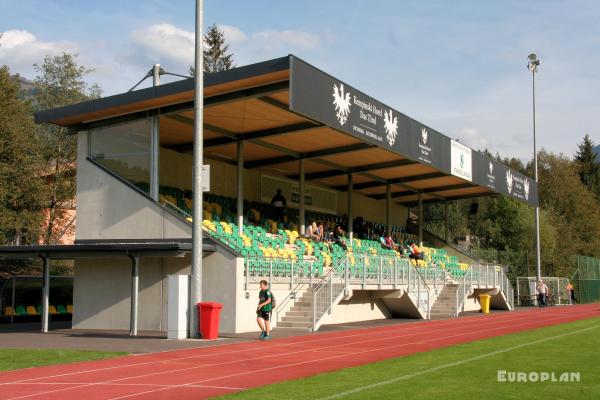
558	293
587	279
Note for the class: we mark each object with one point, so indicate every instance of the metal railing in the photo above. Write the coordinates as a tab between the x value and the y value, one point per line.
329	292
281	271
284	305
378	271
484	277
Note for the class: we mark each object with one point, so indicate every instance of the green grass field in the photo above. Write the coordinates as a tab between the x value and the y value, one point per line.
25	358
428	375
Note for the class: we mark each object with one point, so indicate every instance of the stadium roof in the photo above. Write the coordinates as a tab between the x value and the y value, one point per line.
105	248
285	110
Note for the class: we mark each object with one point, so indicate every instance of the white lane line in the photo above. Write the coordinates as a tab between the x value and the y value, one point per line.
127	384
452	364
460	327
321	359
423	326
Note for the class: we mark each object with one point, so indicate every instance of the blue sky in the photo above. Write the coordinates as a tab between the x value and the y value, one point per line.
458	66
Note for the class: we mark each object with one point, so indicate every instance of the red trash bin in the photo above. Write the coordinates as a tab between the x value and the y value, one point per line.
209	314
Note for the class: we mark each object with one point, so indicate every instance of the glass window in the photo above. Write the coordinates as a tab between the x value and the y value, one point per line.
125	150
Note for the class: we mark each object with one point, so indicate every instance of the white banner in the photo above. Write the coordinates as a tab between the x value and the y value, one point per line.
460	161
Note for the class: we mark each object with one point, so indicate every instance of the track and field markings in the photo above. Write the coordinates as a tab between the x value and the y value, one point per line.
450	365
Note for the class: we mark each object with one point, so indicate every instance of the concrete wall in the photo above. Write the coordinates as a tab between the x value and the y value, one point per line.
371	209
224	182
109	209
102	289
362	306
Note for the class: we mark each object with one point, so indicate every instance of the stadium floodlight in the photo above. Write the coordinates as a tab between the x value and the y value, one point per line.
533	65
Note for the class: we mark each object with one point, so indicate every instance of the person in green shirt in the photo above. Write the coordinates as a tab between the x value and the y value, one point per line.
263	311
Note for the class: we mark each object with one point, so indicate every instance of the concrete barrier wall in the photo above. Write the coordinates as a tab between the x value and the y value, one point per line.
362	306
109	209
102	290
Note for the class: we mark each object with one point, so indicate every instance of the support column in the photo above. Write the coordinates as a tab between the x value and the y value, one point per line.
302	205
388	205
196	273
155	144
135	282
420	219
45	291
446	222
12	316
240	186
350	217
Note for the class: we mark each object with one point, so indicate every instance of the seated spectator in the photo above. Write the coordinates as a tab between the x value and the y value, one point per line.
389	243
415	252
337	237
312	232
321	231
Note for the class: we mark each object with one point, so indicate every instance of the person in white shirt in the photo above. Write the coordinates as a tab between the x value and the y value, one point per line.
542	292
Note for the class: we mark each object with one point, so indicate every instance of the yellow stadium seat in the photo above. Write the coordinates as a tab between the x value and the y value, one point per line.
9	311
52	310
70	308
31	310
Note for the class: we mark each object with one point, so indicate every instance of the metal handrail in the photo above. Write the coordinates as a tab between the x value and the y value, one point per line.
283	304
325	294
486	275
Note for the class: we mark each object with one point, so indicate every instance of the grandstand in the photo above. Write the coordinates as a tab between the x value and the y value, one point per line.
280	124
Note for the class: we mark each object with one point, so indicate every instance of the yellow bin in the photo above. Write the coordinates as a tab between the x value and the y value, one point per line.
484	300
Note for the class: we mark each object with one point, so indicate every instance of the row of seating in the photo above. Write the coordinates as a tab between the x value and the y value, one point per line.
22	311
264	239
288	248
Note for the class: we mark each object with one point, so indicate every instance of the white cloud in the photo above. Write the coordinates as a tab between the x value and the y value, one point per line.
473	138
20	49
174	47
233	34
165	42
288	38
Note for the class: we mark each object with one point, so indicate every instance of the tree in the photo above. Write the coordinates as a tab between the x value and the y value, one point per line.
20	162
589	167
60	82
216	52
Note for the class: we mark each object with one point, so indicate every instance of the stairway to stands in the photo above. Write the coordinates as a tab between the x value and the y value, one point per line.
445	304
300	315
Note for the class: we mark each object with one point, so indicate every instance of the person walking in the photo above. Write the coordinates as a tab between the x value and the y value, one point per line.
263	310
571	290
542	292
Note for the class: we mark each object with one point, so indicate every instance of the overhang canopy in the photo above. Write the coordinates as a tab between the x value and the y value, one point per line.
285	110
104	248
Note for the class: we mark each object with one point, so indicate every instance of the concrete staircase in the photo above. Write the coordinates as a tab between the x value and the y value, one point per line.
445	304
300	315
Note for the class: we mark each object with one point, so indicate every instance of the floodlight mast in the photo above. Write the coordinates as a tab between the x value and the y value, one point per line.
533	65
196	275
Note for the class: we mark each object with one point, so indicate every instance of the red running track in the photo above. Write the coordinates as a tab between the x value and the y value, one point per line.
217	370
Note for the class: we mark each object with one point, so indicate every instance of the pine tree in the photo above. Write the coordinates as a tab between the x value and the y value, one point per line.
589	166
60	81
21	161
216	52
